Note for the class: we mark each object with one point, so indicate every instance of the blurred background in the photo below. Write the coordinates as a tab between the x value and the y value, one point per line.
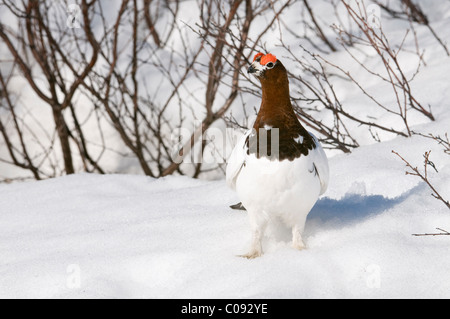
158	88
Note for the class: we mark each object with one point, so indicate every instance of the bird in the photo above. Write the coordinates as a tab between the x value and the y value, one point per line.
277	168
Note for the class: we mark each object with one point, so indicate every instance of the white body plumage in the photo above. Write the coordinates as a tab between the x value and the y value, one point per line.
272	189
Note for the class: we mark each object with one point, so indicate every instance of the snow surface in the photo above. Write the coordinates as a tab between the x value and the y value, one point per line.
125	236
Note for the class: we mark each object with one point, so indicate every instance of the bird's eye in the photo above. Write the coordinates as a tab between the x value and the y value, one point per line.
270	65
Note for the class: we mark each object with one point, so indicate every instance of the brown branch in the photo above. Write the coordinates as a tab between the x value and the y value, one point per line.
424	176
318	28
150	24
26	70
215	75
395	76
29	162
413	12
445	142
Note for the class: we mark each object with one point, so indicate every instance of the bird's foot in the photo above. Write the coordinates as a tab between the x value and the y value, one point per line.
251	255
256	247
299	245
297	241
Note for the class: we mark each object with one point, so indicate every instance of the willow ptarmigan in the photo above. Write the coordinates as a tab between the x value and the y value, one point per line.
278	168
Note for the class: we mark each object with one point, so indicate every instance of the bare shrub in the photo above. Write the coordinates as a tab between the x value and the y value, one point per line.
394	74
412	12
423	175
42	52
140	71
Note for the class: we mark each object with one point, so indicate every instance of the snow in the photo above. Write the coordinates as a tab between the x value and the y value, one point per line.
123	236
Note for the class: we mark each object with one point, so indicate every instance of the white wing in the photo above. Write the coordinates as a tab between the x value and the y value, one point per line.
320	161
236	161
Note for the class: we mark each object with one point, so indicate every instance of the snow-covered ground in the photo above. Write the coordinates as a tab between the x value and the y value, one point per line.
125	236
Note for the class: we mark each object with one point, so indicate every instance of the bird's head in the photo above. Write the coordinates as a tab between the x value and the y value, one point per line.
269	70
262	63
266	67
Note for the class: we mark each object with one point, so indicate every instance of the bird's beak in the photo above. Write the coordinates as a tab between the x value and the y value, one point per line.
251	69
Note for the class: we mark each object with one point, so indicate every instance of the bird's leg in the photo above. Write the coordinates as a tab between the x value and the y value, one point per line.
256	248
297	241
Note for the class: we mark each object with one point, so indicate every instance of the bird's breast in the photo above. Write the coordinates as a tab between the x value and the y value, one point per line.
278	187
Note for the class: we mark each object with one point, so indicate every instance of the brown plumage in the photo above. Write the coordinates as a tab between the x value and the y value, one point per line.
276	111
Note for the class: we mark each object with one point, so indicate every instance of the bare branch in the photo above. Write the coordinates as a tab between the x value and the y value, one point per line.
414	171
443	233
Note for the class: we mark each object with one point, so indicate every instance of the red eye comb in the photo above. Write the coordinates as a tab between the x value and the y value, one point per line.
268	58
257	56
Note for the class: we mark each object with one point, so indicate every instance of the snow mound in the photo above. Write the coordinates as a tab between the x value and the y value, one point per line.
118	236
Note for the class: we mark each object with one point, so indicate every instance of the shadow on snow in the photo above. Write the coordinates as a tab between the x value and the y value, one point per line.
353	208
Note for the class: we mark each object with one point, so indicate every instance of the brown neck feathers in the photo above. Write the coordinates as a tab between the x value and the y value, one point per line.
276	112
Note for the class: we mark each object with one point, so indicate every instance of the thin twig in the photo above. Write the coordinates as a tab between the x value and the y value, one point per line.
424	176
444	233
